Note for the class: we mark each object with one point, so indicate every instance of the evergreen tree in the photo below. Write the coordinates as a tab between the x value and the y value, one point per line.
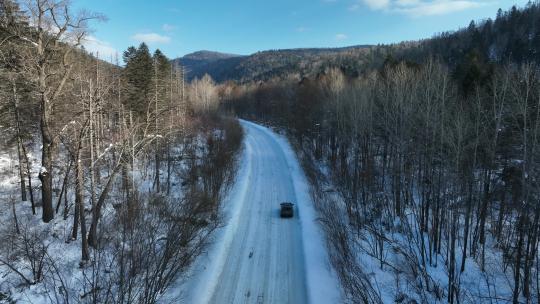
138	78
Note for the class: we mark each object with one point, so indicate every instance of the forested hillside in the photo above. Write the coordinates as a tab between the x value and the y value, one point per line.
197	64
513	36
111	175
424	163
271	64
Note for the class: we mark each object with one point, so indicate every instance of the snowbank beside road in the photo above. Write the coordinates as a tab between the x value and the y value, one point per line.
213	262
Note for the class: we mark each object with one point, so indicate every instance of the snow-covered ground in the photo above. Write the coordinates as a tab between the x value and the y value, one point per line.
258	257
392	263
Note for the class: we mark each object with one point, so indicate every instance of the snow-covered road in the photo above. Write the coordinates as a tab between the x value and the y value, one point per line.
265	263
257	257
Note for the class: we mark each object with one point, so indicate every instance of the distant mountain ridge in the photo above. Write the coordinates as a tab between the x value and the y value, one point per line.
264	65
208	56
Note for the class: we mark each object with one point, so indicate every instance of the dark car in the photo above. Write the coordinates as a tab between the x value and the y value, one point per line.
286	210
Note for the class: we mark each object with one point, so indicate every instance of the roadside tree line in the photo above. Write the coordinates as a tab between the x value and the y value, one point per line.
454	173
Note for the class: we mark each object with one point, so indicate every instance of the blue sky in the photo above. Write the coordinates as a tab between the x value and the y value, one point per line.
179	27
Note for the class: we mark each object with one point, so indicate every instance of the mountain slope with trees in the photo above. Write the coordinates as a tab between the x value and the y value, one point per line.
266	65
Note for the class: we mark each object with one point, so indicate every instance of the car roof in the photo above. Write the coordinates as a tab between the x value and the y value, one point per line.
286	204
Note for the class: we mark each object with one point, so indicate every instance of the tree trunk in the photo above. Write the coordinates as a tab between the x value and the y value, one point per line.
17	229
169	167
29	177
23	156
517	266
45	173
75	230
19	145
157	182
530	253
467	227
64	184
92	234
483	213
452	266
79	201
21	172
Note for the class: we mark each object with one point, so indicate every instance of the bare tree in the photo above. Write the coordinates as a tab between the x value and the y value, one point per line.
203	94
57	35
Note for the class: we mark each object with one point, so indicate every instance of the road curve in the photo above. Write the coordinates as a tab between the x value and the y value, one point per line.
265	262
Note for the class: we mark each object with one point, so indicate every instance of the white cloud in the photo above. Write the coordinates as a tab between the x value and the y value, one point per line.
438	8
100	48
301	29
151	38
418	8
168	27
377	4
340	37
